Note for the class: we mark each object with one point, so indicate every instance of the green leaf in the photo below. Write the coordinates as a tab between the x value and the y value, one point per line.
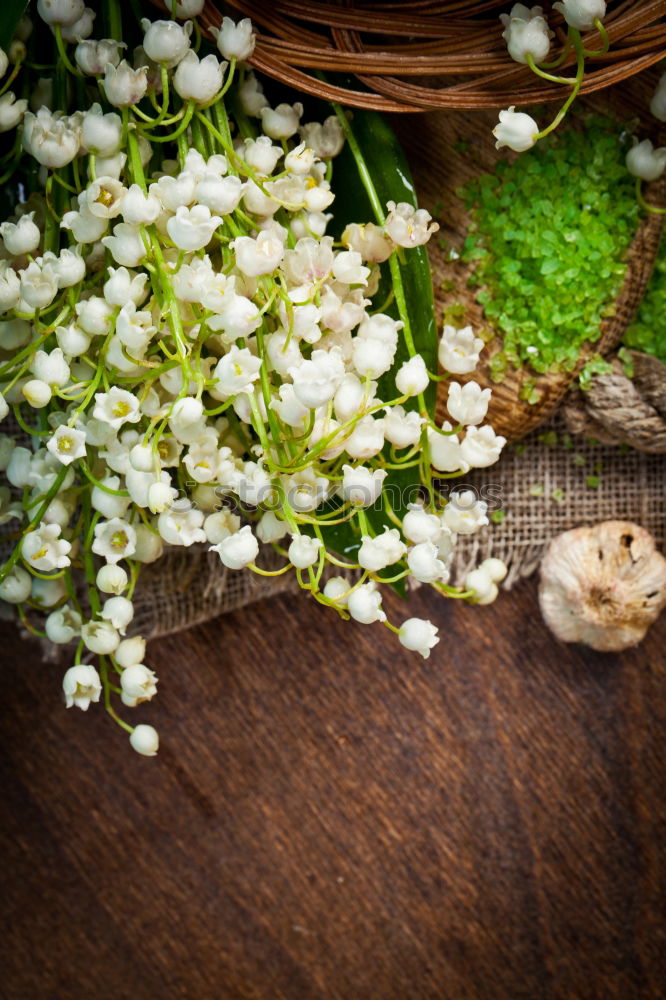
392	180
12	12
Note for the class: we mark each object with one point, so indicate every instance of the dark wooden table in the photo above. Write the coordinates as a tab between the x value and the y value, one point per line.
331	818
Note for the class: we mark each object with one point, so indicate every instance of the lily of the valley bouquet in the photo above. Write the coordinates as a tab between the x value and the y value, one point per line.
217	329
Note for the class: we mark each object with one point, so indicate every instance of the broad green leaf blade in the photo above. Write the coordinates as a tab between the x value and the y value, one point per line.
12	12
392	180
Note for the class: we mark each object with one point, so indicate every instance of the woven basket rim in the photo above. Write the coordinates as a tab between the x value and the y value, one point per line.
456	46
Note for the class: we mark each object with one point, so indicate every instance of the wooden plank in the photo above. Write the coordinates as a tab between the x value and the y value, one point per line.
331	818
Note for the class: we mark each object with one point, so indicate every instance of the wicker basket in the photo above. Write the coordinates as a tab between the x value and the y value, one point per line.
430	54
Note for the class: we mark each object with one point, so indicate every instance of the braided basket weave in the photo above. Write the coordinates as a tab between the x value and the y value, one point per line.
425	55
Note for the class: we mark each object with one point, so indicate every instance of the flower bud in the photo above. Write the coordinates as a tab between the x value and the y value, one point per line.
111	579
46	593
419	635
149	545
101	133
61	12
130	651
516	130
165	41
235	41
658	102
100	637
123	85
337	590
145	740
126	245
485	589
364	604
11	111
643	161
281	122
22	237
526	33
304	550
50	367
238	550
16	587
412	378
37	393
81	685
63	625
119	611
160	497
581	14
81	28
139	208
198	80
138	683
92	56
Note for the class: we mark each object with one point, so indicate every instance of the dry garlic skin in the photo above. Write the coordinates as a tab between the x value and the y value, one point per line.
602	585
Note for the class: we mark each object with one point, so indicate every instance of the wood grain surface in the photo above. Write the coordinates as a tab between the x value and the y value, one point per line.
332	818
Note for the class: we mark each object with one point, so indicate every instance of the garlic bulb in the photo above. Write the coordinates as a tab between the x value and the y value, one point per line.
602	585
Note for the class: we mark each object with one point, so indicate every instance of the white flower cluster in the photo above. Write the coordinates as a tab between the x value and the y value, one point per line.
644	161
528	38
201	363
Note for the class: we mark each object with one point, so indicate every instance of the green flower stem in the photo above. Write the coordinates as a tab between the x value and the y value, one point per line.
16	554
26	623
135	570
104	675
232	156
85	469
326	520
62	52
333	559
220	94
200	138
399	465
366	178
183	148
197	35
177	133
266	392
654	209
322	558
172	302
605	41
390	579
580	72
269	572
32	431
92	386
10	79
135	165
89	521
566	80
45	576
219	113
363	522
150	122
260	429
562	56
